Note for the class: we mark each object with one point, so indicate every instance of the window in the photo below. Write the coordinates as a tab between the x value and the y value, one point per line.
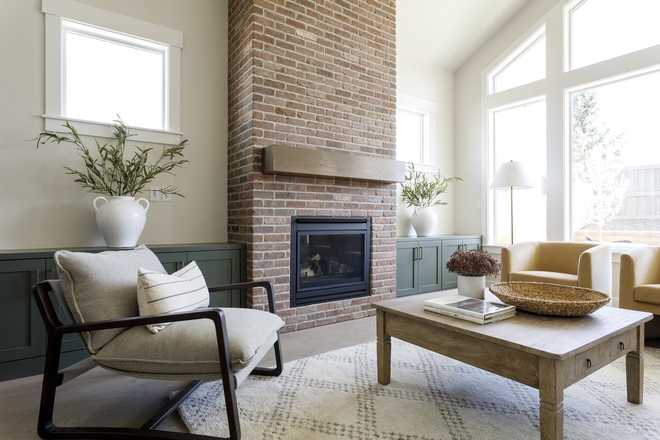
591	144
519	134
604	29
100	65
524	65
615	186
414	129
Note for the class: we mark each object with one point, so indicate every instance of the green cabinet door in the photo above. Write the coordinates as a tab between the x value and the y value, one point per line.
218	268
429	259
406	268
22	332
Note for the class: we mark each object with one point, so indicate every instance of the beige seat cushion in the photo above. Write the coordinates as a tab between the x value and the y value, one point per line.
545	277
103	286
648	293
190	347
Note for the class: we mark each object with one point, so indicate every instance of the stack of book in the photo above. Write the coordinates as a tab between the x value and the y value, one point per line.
470	309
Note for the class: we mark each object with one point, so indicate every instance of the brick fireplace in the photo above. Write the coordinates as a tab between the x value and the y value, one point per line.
314	75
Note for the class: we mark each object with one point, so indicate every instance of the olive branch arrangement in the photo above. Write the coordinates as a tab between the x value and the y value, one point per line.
419	191
111	174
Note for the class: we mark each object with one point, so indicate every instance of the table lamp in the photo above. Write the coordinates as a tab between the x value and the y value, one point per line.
512	175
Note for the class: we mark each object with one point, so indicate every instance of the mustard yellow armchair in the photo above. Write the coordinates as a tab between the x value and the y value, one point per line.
560	262
639	279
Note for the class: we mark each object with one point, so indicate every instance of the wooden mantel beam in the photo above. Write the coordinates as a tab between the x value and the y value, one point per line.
281	159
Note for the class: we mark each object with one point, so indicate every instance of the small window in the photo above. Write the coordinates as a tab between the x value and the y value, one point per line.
604	29
108	74
100	65
414	129
524	65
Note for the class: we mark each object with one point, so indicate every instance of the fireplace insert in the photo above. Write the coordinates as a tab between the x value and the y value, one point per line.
330	259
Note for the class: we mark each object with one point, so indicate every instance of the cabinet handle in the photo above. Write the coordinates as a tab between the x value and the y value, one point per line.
415	250
52	273
183	263
421	251
622	346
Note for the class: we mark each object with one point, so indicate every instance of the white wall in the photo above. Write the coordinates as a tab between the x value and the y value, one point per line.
41	206
467	96
436	85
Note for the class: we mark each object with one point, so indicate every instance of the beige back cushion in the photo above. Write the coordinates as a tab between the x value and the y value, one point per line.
561	256
102	286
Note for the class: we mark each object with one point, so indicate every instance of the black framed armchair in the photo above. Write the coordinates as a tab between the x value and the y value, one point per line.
98	294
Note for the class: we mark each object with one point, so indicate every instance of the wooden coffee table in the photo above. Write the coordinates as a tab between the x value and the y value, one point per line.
548	353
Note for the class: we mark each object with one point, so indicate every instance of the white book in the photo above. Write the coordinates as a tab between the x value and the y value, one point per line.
471	318
464	305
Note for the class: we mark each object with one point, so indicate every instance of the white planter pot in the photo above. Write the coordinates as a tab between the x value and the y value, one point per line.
423	220
121	220
471	286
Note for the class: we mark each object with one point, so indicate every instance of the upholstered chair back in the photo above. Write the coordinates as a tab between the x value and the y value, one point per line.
561	257
103	286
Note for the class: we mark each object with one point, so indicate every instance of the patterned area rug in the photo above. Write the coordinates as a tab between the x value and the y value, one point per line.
337	395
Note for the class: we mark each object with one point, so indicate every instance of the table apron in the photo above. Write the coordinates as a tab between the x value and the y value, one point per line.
504	361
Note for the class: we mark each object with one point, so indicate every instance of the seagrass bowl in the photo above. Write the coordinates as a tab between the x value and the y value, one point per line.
550	299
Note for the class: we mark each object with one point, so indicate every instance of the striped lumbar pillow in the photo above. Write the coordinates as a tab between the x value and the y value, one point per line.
182	291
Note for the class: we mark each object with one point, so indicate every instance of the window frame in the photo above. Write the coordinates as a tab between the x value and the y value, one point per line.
557	85
427	110
56	12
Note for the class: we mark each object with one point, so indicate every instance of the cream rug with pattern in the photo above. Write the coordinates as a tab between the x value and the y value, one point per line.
336	395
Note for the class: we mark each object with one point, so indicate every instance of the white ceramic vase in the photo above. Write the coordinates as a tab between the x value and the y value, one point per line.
121	220
423	220
471	286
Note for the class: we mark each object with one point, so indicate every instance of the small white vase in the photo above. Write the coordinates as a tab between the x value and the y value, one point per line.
121	220
423	220
471	286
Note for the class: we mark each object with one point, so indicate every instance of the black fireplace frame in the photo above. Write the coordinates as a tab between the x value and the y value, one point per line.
301	296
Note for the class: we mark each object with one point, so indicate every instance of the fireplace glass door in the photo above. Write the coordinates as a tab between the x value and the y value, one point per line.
330	259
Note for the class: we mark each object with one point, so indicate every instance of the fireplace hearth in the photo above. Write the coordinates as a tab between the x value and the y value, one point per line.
330	259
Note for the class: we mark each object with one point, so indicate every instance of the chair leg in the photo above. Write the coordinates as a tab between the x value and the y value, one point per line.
277	369
47	429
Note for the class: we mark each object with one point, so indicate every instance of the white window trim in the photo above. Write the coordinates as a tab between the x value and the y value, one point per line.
430	110
55	11
557	84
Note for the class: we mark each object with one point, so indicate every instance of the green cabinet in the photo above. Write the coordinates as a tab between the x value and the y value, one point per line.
22	332
418	266
421	262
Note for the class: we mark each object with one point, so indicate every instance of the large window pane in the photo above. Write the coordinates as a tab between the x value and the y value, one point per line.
604	29
616	161
519	135
106	76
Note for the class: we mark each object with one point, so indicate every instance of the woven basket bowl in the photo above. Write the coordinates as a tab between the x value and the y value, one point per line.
550	299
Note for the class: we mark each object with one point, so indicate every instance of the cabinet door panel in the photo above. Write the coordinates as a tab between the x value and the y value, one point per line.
430	272
172	261
22	332
449	279
218	268
406	270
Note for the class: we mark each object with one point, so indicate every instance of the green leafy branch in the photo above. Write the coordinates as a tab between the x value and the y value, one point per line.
110	174
419	191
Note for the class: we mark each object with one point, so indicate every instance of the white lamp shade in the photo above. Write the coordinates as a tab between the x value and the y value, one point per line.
512	175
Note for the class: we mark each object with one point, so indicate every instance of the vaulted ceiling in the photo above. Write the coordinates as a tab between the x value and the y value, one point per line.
445	33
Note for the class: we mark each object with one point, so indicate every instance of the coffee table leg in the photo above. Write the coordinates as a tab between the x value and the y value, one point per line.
383	349
635	370
551	393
